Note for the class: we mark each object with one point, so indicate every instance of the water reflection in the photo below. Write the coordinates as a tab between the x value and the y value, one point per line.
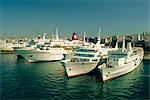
43	78
48	80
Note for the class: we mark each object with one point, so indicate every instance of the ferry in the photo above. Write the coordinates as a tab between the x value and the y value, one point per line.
83	60
121	61
43	53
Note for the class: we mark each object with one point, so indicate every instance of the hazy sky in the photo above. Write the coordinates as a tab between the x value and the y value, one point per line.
32	17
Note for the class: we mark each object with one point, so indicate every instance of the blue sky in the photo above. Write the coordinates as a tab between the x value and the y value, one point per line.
31	17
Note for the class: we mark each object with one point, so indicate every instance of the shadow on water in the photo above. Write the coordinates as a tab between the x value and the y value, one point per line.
21	59
19	56
97	74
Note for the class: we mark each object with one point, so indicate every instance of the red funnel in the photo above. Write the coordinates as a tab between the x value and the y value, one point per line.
74	36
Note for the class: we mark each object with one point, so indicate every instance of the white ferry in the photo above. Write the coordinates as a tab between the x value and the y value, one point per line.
121	62
43	53
84	60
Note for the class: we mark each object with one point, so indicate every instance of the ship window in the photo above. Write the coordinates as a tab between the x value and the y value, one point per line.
41	49
85	55
94	60
84	50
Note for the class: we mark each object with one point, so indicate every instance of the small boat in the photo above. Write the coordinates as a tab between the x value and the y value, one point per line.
121	61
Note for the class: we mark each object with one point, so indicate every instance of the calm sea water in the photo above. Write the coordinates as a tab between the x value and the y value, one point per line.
47	80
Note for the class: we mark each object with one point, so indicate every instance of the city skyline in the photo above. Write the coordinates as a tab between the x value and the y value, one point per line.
33	17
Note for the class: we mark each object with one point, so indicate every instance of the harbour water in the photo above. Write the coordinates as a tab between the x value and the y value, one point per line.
47	80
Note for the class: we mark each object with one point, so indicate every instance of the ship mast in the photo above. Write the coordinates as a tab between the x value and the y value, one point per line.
99	31
44	36
123	44
57	38
116	46
84	38
98	39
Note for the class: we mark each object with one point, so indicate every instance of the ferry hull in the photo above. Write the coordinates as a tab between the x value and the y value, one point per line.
20	51
78	68
32	56
110	73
